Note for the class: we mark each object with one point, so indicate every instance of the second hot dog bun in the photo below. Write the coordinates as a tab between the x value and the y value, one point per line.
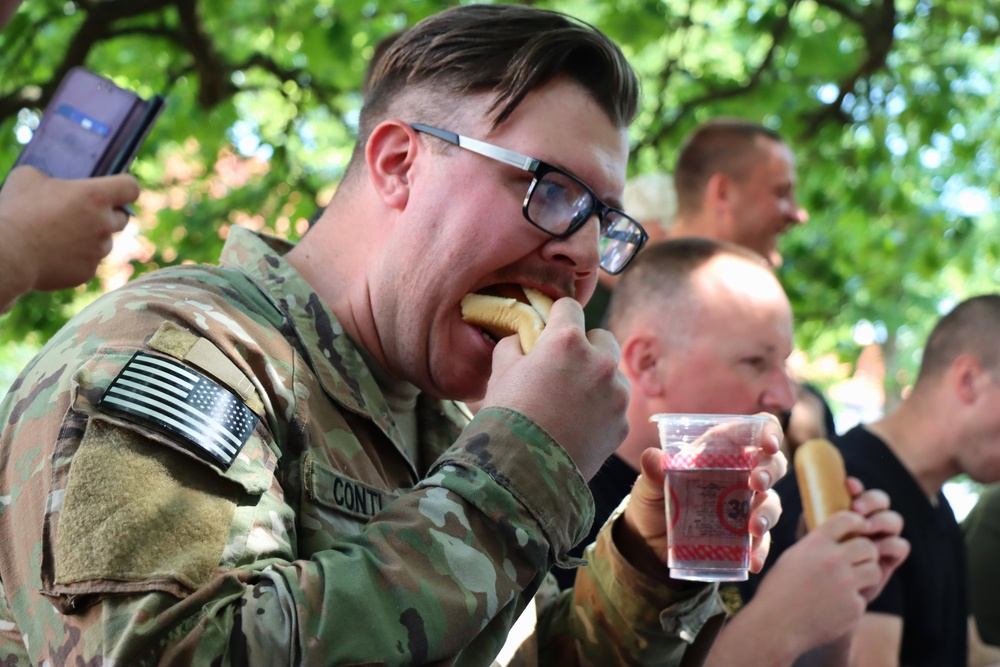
523	314
819	470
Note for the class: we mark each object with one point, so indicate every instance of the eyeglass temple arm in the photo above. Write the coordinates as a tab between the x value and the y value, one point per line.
489	150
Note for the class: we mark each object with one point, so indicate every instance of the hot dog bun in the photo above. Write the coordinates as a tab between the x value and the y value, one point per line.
819	469
501	316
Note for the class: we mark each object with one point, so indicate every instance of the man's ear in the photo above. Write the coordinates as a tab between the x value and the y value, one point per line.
967	376
717	190
717	201
389	154
640	360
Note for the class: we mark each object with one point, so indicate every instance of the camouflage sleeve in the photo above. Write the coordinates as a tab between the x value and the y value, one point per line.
616	615
12	649
438	574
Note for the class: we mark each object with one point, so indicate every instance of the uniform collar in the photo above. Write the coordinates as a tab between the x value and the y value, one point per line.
331	354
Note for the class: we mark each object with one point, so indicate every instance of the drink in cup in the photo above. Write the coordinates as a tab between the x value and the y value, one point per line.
707	460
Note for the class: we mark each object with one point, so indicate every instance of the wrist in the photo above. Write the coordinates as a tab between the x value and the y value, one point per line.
18	274
730	647
637	552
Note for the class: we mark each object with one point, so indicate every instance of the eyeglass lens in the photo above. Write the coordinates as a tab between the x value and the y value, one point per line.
620	240
559	203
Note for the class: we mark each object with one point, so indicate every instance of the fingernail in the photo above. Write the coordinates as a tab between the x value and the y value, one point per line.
775	440
765	524
765	479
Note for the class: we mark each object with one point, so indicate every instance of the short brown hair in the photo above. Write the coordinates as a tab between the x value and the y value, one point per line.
663	270
378	52
723	145
972	327
509	49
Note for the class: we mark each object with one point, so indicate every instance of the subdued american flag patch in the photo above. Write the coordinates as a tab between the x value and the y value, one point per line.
184	402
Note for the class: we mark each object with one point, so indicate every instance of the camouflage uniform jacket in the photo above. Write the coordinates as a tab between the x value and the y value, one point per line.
320	542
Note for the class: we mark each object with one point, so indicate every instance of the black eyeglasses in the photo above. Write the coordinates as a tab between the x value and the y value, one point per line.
559	203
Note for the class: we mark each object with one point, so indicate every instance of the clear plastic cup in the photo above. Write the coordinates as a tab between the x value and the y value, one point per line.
707	460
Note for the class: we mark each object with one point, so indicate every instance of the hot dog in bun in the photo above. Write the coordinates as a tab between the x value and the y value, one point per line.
819	470
517	310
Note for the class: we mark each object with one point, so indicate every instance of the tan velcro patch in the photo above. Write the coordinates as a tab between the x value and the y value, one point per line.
136	511
181	344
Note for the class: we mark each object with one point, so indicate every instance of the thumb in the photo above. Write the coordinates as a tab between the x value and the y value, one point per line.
506	353
651	464
116	190
645	510
648	488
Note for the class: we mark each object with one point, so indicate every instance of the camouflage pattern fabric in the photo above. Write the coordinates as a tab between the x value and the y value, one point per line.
322	543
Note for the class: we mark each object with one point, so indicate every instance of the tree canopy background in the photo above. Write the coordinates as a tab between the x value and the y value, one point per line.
891	107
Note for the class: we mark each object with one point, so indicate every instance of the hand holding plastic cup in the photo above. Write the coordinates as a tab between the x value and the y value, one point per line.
708	460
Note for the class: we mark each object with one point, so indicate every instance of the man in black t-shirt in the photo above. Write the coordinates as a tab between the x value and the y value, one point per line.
948	424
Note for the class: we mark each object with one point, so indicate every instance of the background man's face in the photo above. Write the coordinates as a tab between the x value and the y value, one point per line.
764	202
733	362
980	452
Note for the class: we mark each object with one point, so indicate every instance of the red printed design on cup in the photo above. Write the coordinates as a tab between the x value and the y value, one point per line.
673	508
733	508
697	553
707	518
741	458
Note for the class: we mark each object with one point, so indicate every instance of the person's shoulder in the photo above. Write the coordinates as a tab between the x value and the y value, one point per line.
852	437
193	277
866	455
196	290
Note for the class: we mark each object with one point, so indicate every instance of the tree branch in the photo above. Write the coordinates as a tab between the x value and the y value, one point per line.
777	35
324	93
160	31
96	27
878	27
214	80
841	8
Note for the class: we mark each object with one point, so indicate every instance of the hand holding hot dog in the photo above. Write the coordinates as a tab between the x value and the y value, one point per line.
569	384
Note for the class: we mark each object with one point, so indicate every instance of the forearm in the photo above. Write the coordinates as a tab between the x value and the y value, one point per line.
835	654
16	274
783	647
404	591
426	600
438	574
337	608
772	647
440	563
